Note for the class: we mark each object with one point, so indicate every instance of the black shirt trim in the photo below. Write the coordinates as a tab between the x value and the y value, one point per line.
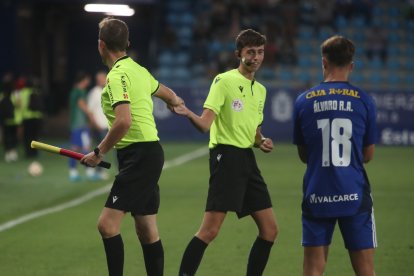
158	87
124	57
118	103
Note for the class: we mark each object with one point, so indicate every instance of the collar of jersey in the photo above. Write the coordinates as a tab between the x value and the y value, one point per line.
244	78
121	58
334	82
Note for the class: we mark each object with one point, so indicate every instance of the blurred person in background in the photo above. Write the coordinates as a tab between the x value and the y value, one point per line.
100	128
80	118
376	44
32	114
7	119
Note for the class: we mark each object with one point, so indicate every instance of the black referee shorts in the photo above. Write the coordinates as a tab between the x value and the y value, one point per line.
135	188
236	183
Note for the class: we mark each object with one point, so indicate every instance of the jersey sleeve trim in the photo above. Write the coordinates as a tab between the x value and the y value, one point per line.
118	103
213	108
156	90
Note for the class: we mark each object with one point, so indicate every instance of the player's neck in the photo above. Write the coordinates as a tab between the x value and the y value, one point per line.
246	73
113	57
336	75
333	73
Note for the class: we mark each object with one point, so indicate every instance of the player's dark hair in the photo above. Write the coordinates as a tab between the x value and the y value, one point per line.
249	37
80	76
114	33
338	50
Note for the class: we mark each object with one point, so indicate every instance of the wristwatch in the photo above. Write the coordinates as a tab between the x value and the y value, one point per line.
97	152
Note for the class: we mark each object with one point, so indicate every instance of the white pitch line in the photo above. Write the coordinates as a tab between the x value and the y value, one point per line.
78	201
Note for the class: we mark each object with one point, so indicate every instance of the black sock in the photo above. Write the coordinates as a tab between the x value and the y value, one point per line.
114	249
154	258
192	257
259	254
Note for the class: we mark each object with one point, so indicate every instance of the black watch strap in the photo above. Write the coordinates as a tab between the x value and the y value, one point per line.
97	152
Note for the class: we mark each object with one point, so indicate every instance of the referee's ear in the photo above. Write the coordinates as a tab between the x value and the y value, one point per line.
237	53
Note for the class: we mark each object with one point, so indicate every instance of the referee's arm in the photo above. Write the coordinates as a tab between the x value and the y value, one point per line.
119	128
203	122
168	96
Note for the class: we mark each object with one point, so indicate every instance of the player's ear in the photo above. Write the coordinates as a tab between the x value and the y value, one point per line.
101	44
237	53
351	66
129	44
324	63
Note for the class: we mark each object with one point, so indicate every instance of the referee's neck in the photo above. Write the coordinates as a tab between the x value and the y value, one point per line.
113	58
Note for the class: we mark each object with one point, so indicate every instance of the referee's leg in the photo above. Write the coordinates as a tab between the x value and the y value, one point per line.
260	251
147	231
109	226
194	252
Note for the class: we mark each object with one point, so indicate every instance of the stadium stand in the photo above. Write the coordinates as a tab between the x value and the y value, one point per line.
204	32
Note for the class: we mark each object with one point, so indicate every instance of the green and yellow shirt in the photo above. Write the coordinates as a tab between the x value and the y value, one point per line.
78	118
238	104
128	82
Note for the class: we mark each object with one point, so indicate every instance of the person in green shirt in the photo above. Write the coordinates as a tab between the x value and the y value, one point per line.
233	112
128	106
80	118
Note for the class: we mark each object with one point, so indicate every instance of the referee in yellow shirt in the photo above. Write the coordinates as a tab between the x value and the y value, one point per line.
127	104
233	112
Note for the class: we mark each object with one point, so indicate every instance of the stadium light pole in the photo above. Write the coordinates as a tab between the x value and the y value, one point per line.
110	9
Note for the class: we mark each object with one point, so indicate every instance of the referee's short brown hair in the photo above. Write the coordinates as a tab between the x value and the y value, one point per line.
114	33
338	50
249	37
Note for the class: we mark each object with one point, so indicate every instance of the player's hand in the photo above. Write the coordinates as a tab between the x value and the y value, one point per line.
90	160
177	102
266	145
181	110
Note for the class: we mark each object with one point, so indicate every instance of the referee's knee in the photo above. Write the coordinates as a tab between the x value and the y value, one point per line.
107	230
269	233
208	235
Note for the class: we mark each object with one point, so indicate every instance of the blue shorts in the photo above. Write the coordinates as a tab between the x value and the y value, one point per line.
358	231
81	138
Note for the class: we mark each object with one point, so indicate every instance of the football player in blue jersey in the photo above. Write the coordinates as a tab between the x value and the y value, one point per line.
335	132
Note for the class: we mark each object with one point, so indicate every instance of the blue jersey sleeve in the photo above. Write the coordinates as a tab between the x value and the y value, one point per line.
298	138
370	136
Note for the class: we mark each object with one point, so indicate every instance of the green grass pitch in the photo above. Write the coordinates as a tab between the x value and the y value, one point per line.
67	242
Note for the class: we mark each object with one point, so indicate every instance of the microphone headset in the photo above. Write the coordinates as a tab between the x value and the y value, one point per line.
243	60
246	62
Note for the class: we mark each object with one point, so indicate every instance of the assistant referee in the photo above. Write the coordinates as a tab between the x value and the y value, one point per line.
127	104
234	111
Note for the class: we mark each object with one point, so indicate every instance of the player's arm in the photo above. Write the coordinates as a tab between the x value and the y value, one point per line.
168	96
84	107
119	129
302	153
265	144
368	153
203	122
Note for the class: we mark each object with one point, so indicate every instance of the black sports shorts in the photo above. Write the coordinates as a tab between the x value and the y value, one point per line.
135	188
236	183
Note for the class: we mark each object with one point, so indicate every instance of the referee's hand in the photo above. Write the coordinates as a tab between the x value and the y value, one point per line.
267	145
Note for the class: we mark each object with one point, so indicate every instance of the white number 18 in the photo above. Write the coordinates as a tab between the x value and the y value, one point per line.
340	130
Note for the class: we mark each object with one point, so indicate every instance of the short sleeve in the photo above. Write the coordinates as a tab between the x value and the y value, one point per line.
216	96
298	138
262	105
370	136
118	88
154	84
